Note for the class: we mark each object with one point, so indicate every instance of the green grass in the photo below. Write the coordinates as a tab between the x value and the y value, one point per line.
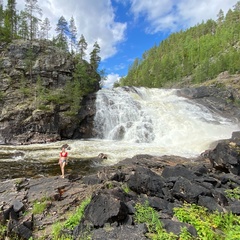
75	218
70	223
39	206
209	226
125	188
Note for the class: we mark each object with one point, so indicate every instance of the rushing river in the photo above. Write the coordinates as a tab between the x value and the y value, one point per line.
127	122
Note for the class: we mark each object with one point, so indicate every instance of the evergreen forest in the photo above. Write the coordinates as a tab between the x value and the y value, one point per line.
28	25
192	56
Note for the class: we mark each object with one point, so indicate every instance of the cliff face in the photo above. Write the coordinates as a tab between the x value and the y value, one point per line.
27	114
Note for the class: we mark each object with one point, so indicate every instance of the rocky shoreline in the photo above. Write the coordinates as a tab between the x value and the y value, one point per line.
164	182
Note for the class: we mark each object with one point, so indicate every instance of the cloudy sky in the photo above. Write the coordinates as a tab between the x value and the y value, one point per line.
125	29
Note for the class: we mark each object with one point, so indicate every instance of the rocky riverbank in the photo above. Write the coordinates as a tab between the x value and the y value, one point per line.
164	182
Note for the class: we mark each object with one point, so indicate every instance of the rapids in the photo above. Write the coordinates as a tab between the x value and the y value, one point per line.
128	121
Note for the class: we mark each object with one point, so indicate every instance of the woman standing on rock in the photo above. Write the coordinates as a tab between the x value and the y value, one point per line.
63	157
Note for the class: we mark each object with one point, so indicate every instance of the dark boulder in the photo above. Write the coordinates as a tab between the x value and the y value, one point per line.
210	203
234	207
226	157
146	181
124	232
107	207
187	190
176	227
178	171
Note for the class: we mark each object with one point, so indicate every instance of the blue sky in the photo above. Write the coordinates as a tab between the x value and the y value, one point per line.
125	29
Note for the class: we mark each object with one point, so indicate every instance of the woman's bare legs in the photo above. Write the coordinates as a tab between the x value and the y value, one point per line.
62	165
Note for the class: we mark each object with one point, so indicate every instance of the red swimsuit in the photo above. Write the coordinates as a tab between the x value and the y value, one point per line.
63	154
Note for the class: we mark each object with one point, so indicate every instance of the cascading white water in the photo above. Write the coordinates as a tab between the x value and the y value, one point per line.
158	120
131	121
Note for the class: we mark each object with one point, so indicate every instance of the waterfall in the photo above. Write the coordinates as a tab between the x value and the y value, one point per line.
128	122
158	118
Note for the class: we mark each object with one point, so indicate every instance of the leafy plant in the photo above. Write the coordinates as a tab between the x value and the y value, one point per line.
57	232
74	219
125	188
146	214
39	206
3	230
70	223
233	193
209	225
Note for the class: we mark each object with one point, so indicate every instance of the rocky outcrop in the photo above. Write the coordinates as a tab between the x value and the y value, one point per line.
164	182
218	100
27	69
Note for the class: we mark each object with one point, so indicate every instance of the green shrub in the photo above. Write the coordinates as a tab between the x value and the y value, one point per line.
209	226
74	219
70	223
146	214
233	193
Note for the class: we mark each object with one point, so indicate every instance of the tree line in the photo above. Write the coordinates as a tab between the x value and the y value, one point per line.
194	55
28	25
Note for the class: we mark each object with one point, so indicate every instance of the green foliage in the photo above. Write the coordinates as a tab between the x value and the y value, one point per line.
125	188
70	223
3	230
233	193
209	226
24	88
57	232
146	214
39	206
200	53
74	219
94	56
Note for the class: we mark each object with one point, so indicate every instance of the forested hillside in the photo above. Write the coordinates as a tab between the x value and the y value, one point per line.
49	78
27	25
198	54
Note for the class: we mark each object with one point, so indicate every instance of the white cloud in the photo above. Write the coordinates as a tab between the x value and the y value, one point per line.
94	19
110	80
171	15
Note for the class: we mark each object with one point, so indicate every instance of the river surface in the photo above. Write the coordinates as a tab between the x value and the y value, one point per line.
127	122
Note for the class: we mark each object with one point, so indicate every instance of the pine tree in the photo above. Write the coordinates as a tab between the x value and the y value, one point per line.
23	30
45	28
73	33
220	17
94	56
1	21
31	9
82	46
63	31
1	14
10	18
